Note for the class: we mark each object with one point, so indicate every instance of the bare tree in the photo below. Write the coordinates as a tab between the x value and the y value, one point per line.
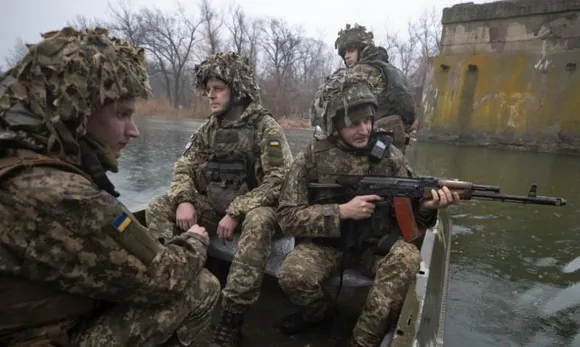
313	60
313	64
237	27
281	45
127	23
289	65
171	39
83	22
281	50
402	53
255	35
245	33
17	52
212	22
427	32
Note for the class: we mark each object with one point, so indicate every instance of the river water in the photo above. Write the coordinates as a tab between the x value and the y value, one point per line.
515	269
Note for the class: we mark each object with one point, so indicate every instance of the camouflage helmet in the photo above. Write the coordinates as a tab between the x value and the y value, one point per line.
340	91
356	37
233	69
64	78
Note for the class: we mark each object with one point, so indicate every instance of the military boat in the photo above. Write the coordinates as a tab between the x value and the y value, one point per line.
419	323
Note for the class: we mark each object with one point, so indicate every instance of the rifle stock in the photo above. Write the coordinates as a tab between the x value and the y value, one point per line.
421	188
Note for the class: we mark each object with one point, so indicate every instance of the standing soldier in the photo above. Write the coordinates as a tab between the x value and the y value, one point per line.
336	232
396	110
229	179
76	267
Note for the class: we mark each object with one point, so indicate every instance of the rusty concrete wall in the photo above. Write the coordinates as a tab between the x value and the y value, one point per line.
507	76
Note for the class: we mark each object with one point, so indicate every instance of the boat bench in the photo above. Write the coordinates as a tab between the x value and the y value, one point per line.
282	245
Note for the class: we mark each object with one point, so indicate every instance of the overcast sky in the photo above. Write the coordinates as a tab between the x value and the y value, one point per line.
28	18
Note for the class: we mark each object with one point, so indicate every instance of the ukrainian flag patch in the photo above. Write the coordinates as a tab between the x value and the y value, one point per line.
274	143
122	222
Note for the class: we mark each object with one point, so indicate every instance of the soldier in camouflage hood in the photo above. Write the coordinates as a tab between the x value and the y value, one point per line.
229	179
396	109
76	267
334	231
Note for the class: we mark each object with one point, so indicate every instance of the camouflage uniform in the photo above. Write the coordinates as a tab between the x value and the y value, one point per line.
389	84
312	216
258	143
75	264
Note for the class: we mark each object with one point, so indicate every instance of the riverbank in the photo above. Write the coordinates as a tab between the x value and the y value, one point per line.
163	109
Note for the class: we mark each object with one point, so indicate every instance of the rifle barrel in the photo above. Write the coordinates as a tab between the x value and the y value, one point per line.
537	200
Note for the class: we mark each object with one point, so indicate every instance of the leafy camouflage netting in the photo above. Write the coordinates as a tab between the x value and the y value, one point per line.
341	90
64	78
235	70
352	38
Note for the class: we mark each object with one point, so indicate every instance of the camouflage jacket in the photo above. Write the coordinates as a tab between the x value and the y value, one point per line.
374	75
270	169
57	227
299	216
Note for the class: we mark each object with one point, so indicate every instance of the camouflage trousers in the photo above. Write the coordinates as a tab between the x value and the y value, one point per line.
184	318
187	315
303	272
244	280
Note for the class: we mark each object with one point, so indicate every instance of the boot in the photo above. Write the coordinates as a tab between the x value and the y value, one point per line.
228	332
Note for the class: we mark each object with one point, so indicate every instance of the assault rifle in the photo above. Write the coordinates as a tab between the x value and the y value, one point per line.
390	187
401	190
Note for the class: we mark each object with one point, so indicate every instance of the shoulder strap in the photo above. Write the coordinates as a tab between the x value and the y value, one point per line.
310	162
20	158
321	145
315	146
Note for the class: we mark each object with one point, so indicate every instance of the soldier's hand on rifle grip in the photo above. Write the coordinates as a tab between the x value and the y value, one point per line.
185	216
360	207
441	198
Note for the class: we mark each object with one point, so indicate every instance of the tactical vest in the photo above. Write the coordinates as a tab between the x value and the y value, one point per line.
397	100
25	304
327	162
231	168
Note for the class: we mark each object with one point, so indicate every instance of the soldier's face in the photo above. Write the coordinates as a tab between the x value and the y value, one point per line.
351	57
218	94
357	135
113	124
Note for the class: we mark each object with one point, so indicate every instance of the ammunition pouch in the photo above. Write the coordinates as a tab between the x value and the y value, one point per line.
25	305
225	176
359	236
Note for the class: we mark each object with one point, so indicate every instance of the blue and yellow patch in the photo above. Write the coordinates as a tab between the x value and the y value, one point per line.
274	143
122	222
